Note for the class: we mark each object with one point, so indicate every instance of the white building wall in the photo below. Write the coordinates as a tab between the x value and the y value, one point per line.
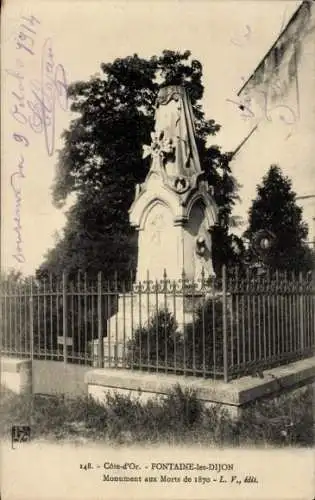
280	96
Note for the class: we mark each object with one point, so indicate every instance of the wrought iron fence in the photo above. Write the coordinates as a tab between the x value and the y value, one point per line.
226	327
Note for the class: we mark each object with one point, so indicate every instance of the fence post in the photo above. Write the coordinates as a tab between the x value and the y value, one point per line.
224	318
64	318
100	346
31	311
31	321
301	311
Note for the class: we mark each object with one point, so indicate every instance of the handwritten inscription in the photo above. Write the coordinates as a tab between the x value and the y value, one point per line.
46	93
25	45
26	35
38	113
33	107
242	37
15	185
244	105
269	96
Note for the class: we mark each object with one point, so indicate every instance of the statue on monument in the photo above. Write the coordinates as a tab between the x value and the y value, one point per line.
173	149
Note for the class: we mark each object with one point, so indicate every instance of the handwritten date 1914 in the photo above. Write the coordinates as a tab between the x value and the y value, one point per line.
27	30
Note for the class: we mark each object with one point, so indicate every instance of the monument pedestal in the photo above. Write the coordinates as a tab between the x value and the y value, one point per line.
137	310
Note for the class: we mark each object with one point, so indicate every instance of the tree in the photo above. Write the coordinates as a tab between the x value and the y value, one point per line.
275	210
101	161
15	312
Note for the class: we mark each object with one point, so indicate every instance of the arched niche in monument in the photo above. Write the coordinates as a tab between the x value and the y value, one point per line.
197	242
158	243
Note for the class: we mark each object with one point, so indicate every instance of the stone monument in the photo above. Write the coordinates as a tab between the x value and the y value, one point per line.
173	210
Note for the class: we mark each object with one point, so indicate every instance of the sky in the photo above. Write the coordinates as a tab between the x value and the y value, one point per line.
228	37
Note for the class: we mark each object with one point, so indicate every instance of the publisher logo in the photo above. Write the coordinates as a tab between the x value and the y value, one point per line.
20	434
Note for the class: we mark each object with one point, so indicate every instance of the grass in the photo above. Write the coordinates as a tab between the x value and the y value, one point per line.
180	418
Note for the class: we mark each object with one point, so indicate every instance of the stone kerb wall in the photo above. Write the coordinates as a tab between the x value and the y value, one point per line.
16	375
72	380
233	396
40	376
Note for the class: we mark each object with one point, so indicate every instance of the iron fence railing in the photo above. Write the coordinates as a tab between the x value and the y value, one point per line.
225	327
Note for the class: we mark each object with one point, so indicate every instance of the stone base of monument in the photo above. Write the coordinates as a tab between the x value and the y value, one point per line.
138	311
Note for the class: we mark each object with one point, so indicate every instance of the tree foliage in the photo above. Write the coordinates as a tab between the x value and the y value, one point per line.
101	161
275	209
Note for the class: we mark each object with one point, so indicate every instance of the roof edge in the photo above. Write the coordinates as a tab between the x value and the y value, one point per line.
292	18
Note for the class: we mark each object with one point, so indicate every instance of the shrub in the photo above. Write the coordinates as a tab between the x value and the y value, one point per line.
157	344
182	408
204	338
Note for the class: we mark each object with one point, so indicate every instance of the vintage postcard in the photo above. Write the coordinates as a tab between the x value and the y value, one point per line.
157	292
